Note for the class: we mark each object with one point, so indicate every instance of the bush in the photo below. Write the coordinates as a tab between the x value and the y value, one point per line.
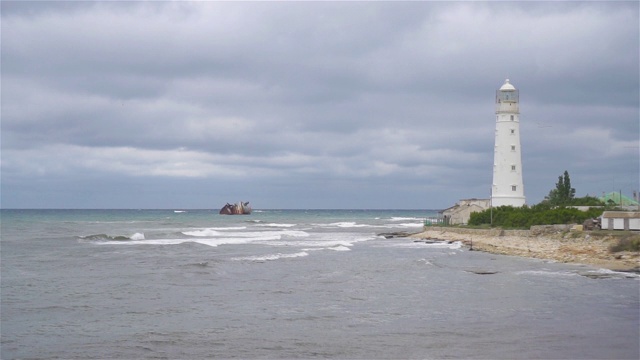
508	217
627	243
587	201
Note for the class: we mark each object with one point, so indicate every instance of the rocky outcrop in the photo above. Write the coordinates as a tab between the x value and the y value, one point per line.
553	243
396	234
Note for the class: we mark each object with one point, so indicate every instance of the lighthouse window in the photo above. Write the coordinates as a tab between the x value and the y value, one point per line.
513	148
513	188
513	131
511	117
513	168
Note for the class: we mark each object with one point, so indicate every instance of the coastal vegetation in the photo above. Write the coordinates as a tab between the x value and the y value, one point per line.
508	230
629	242
509	217
564	195
556	208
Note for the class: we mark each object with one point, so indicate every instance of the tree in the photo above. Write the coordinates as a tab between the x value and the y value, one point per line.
563	194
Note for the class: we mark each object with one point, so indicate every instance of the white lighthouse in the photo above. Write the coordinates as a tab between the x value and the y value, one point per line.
508	188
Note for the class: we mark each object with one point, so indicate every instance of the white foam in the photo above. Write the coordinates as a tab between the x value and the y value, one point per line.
204	232
612	273
214	242
394	218
422	245
273	256
213	237
229	228
137	236
547	273
455	245
179	211
310	243
412	245
212	232
235	240
327	240
347	224
279	225
145	242
409	225
403	225
340	248
281	233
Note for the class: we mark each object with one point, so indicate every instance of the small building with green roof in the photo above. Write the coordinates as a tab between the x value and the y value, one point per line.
616	198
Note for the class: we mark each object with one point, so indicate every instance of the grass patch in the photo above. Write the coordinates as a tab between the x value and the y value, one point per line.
576	234
480	227
629	242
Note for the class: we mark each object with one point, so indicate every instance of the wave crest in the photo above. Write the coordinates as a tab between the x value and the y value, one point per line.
262	258
98	237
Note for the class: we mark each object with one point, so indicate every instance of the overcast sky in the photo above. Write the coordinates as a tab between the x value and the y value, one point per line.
310	104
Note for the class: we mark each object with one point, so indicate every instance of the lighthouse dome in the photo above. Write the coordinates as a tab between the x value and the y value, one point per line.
507	86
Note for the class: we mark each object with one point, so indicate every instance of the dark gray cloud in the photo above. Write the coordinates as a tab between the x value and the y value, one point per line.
310	104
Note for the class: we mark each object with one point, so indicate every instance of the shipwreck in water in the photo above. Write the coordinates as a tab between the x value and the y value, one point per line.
240	208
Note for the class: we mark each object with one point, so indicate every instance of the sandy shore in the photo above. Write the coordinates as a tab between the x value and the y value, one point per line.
568	247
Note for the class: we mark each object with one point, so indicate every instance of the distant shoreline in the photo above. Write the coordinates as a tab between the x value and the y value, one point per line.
562	246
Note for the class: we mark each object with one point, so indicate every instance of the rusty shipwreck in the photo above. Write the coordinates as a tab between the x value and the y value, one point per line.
240	208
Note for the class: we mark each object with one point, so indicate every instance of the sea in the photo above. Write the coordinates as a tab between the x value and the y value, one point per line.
292	284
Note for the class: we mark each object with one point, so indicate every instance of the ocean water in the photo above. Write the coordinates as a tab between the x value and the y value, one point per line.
192	284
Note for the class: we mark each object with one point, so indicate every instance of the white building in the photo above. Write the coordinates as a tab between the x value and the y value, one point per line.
508	188
621	220
460	213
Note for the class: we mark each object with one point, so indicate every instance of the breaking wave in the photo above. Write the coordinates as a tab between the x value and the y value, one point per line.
215	231
209	237
347	224
279	225
397	218
340	248
98	237
421	245
271	257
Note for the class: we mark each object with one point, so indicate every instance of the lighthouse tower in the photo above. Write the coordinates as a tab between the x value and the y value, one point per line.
508	188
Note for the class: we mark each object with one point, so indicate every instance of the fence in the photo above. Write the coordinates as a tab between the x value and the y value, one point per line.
435	221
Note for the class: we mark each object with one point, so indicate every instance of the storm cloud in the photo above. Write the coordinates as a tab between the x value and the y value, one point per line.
310	104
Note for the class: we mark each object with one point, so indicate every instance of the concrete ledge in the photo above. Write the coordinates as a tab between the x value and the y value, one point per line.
485	232
534	231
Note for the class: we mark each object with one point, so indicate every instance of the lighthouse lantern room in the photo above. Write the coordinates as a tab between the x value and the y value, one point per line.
508	187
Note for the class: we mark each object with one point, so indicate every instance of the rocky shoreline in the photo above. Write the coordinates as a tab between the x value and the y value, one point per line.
557	244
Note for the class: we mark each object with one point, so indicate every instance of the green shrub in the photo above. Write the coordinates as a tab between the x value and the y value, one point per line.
626	243
508	217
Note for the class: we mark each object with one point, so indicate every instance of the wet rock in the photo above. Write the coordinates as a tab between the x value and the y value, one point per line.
482	272
401	234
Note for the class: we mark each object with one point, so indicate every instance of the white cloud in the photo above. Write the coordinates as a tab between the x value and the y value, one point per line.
56	160
316	94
